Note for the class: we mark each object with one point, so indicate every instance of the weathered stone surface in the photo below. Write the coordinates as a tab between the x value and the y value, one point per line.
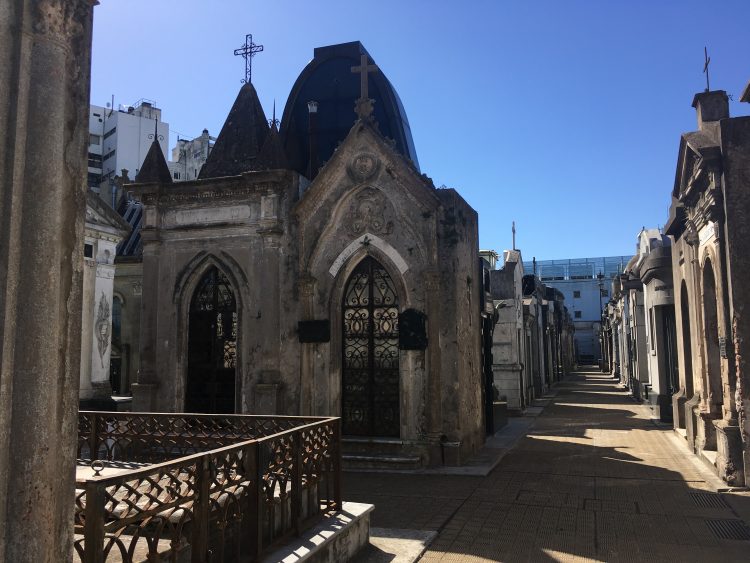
44	83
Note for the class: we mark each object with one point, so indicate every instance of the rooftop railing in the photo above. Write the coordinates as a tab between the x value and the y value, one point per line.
184	487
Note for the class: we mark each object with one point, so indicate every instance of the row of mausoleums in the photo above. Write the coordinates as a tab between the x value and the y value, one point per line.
677	328
532	342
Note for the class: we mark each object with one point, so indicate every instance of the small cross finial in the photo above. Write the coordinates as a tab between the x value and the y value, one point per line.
705	67
155	135
364	105
514	235
273	120
247	52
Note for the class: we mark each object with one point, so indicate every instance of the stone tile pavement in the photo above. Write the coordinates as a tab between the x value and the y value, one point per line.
593	479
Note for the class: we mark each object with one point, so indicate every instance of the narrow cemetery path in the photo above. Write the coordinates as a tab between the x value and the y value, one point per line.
594	479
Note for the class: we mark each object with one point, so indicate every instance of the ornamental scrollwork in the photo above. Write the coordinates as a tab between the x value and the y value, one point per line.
370	212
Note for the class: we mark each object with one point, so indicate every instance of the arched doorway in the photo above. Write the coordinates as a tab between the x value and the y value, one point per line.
370	375
710	318
212	346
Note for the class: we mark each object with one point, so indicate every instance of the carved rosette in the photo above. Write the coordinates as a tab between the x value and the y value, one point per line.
363	167
370	212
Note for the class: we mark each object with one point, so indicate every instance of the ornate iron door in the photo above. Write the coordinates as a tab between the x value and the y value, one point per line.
212	346
370	378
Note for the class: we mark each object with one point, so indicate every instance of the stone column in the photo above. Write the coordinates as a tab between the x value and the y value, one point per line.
44	86
267	392
144	391
434	402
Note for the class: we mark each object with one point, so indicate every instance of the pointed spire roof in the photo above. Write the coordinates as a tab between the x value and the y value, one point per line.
241	138
272	155
154	167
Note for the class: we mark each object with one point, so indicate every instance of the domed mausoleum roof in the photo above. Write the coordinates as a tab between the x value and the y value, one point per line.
328	80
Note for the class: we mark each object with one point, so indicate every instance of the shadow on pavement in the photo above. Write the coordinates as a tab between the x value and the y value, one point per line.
593	479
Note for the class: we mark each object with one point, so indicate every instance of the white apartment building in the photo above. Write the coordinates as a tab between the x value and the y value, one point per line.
119	139
188	157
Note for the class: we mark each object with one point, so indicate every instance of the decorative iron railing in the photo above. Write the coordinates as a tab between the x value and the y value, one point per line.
183	487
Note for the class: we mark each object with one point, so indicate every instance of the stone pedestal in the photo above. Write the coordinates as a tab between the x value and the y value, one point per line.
144	396
678	408
44	87
729	463
691	420
664	407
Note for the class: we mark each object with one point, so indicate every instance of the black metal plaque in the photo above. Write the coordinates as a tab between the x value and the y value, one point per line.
314	331
412	330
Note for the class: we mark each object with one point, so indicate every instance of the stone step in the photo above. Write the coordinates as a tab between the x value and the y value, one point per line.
380	462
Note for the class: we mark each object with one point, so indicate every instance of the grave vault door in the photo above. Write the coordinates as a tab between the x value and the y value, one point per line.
370	378
212	346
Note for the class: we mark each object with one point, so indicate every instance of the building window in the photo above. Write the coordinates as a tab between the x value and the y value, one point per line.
176	175
577	314
109	133
109	155
576	295
605	293
95	160
94	139
93	179
88	250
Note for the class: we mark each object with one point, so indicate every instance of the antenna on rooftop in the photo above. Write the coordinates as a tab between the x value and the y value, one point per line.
514	235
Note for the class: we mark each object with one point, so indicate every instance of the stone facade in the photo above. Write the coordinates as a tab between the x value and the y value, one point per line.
512	380
640	325
289	254
708	221
103	231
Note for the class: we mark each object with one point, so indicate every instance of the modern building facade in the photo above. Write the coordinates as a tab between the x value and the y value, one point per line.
585	293
120	139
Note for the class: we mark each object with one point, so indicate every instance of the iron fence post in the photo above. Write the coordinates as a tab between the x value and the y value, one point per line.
93	531
337	464
199	548
94	436
256	502
297	482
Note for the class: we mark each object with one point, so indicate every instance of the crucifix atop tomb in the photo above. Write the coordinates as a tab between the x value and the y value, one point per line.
363	107
705	67
247	52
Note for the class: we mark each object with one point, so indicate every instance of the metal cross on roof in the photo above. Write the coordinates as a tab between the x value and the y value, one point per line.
248	51
364	107
705	67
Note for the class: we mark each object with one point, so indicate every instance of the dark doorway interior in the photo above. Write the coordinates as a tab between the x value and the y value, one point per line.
212	346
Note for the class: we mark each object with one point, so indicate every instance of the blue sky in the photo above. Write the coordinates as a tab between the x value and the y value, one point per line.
564	116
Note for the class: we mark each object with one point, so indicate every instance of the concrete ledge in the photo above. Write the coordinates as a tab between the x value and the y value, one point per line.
335	539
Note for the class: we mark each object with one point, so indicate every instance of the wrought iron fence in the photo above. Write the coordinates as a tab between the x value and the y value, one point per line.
201	487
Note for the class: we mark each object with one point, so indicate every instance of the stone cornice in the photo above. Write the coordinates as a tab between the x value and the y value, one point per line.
212	189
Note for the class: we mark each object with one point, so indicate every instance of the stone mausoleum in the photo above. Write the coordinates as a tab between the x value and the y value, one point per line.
312	269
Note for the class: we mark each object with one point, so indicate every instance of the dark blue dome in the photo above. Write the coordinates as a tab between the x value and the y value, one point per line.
329	81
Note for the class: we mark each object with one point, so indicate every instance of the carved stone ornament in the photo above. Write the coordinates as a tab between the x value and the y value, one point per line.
369	213
103	327
61	19
363	166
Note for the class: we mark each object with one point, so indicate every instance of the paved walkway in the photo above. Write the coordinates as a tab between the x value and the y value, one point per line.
594	479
